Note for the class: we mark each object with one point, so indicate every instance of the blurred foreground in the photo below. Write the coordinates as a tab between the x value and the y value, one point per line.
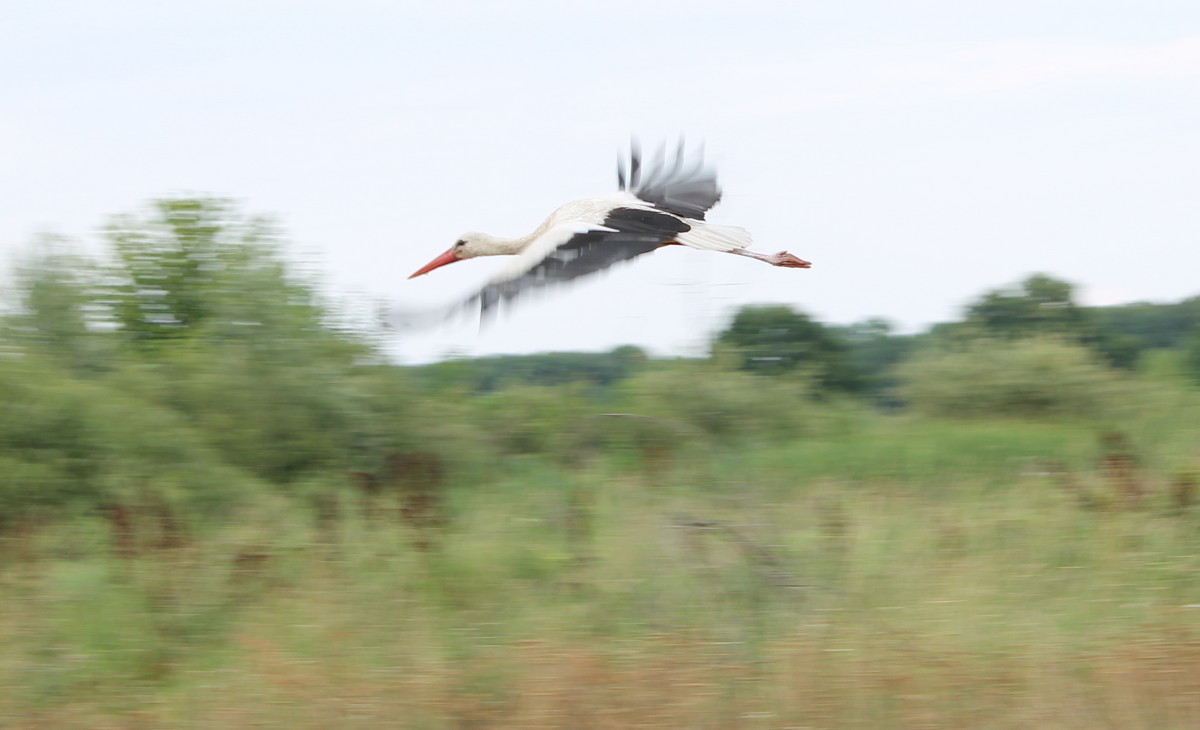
220	507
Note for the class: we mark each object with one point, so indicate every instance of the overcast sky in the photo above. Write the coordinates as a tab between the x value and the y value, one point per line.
918	153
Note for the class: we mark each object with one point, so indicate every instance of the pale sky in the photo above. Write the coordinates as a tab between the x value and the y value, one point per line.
918	153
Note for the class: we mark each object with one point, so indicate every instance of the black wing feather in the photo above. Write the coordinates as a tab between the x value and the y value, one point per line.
669	185
635	232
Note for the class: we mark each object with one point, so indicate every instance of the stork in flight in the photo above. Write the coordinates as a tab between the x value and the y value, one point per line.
659	206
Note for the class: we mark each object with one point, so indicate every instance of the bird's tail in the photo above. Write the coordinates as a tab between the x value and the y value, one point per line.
711	237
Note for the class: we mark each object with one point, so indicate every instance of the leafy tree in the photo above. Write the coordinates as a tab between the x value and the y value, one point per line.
1122	351
1039	305
1042	305
874	350
223	331
55	309
184	261
1151	325
771	340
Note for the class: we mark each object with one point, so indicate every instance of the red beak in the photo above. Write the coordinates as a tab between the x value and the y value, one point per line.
447	258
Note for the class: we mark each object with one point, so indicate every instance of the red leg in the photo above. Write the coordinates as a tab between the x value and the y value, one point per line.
783	258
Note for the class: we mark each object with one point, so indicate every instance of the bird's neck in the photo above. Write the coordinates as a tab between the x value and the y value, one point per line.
501	246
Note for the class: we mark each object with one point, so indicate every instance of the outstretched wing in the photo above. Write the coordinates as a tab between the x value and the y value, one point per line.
569	251
685	188
564	252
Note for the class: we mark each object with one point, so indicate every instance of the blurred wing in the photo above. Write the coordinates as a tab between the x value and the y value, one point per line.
685	188
569	251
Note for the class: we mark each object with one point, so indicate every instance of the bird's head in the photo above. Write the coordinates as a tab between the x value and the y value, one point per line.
468	246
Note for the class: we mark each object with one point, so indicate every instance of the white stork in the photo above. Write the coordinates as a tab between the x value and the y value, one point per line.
661	206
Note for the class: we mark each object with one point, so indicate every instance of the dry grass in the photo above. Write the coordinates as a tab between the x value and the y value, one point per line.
1148	681
917	597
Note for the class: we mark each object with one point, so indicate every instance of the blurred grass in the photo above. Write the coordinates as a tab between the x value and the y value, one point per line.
899	573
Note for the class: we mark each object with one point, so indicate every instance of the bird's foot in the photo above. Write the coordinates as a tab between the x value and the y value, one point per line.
788	261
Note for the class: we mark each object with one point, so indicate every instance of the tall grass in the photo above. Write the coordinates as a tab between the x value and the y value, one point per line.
901	573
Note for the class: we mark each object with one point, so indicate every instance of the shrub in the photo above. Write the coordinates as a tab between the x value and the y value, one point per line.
529	419
723	404
73	444
1036	377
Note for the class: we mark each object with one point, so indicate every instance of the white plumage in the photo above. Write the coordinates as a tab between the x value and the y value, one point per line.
664	206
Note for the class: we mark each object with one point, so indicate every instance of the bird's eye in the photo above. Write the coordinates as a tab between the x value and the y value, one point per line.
460	243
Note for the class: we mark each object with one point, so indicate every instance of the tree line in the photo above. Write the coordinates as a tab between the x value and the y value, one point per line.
193	364
861	358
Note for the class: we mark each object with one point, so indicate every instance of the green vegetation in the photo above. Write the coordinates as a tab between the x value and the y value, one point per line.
775	340
221	508
1031	377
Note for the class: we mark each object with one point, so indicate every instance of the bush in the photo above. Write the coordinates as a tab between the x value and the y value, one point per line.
723	404
529	419
277	417
1037	377
74	444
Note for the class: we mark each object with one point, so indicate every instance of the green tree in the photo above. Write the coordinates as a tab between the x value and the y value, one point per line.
874	350
1042	305
220	328
1039	305
184	260
55	312
1152	325
771	340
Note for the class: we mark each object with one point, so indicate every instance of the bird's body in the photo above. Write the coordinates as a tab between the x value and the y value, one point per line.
665	206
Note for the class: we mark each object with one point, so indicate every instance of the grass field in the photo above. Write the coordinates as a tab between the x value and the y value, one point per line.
894	573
